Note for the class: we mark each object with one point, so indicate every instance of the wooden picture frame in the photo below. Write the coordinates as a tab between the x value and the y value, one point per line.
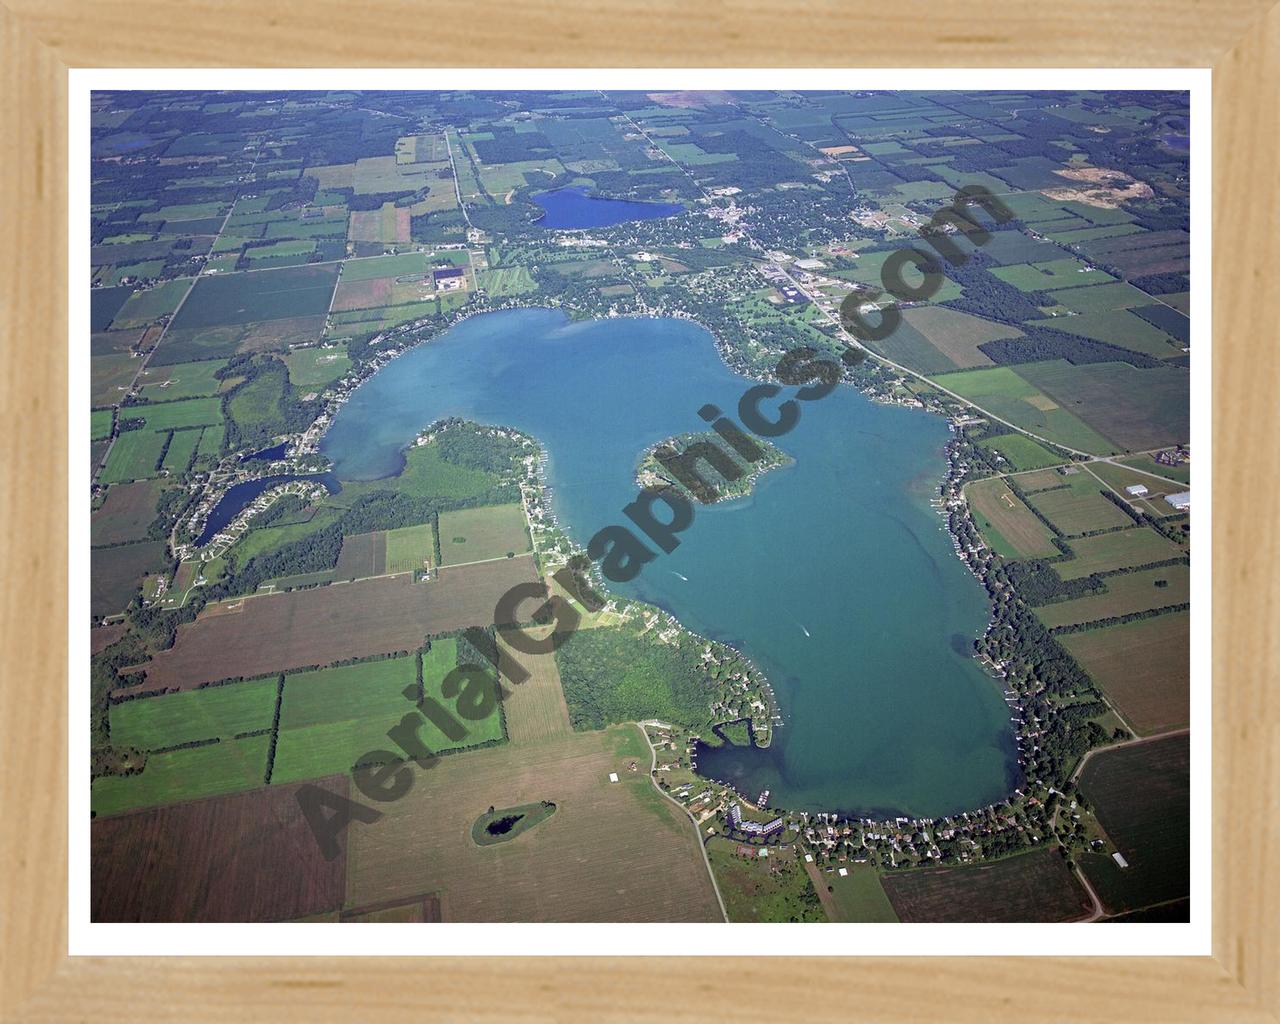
42	39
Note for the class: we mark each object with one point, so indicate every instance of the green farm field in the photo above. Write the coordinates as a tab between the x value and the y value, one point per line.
185	775
1051	274
476	534
859	896
181	380
215	712
1009	396
1136	409
1126	594
1079	507
331	718
410	548
258	295
1122	549
1020	451
1008	525
135	454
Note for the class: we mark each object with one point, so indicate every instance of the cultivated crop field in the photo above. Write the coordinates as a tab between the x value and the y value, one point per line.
115	574
536	709
474	534
1079	507
126	513
247	857
1021	402
331	718
1126	594
1122	549
1136	409
1030	887
1144	667
1008	525
611	852
410	548
1141	796
215	712
273	633
1020	451
186	774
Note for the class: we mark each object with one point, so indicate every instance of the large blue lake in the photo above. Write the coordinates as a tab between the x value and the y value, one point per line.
835	576
573	208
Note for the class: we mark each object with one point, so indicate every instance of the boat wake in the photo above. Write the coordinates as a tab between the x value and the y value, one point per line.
681	575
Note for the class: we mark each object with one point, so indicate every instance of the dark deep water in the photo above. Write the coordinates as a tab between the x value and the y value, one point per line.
238	498
570	208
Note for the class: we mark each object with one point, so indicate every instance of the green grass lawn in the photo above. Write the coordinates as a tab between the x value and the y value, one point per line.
316	367
859	896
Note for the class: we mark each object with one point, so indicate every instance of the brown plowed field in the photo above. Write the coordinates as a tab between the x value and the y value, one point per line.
256	635
245	857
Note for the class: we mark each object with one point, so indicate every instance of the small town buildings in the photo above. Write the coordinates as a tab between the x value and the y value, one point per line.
1137	490
1181	501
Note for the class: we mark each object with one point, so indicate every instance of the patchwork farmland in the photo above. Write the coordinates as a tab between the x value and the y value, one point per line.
252	636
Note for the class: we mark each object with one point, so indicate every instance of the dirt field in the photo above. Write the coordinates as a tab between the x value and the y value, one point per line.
1143	666
611	852
1036	886
1008	525
363	554
246	857
1141	795
126	513
536	709
363	294
256	635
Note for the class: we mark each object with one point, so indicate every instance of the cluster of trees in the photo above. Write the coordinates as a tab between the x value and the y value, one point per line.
1041	343
277	407
468	444
615	674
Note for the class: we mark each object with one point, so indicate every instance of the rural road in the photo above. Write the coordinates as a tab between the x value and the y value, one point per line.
653	767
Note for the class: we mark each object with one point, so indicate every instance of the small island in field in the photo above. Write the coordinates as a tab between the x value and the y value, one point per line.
501	826
652	473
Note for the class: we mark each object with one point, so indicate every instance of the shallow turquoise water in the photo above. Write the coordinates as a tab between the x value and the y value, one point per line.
835	576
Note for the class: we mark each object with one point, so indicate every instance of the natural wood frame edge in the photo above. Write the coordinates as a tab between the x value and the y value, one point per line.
39	41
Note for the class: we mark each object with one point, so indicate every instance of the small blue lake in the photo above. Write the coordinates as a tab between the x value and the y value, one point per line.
237	499
572	208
